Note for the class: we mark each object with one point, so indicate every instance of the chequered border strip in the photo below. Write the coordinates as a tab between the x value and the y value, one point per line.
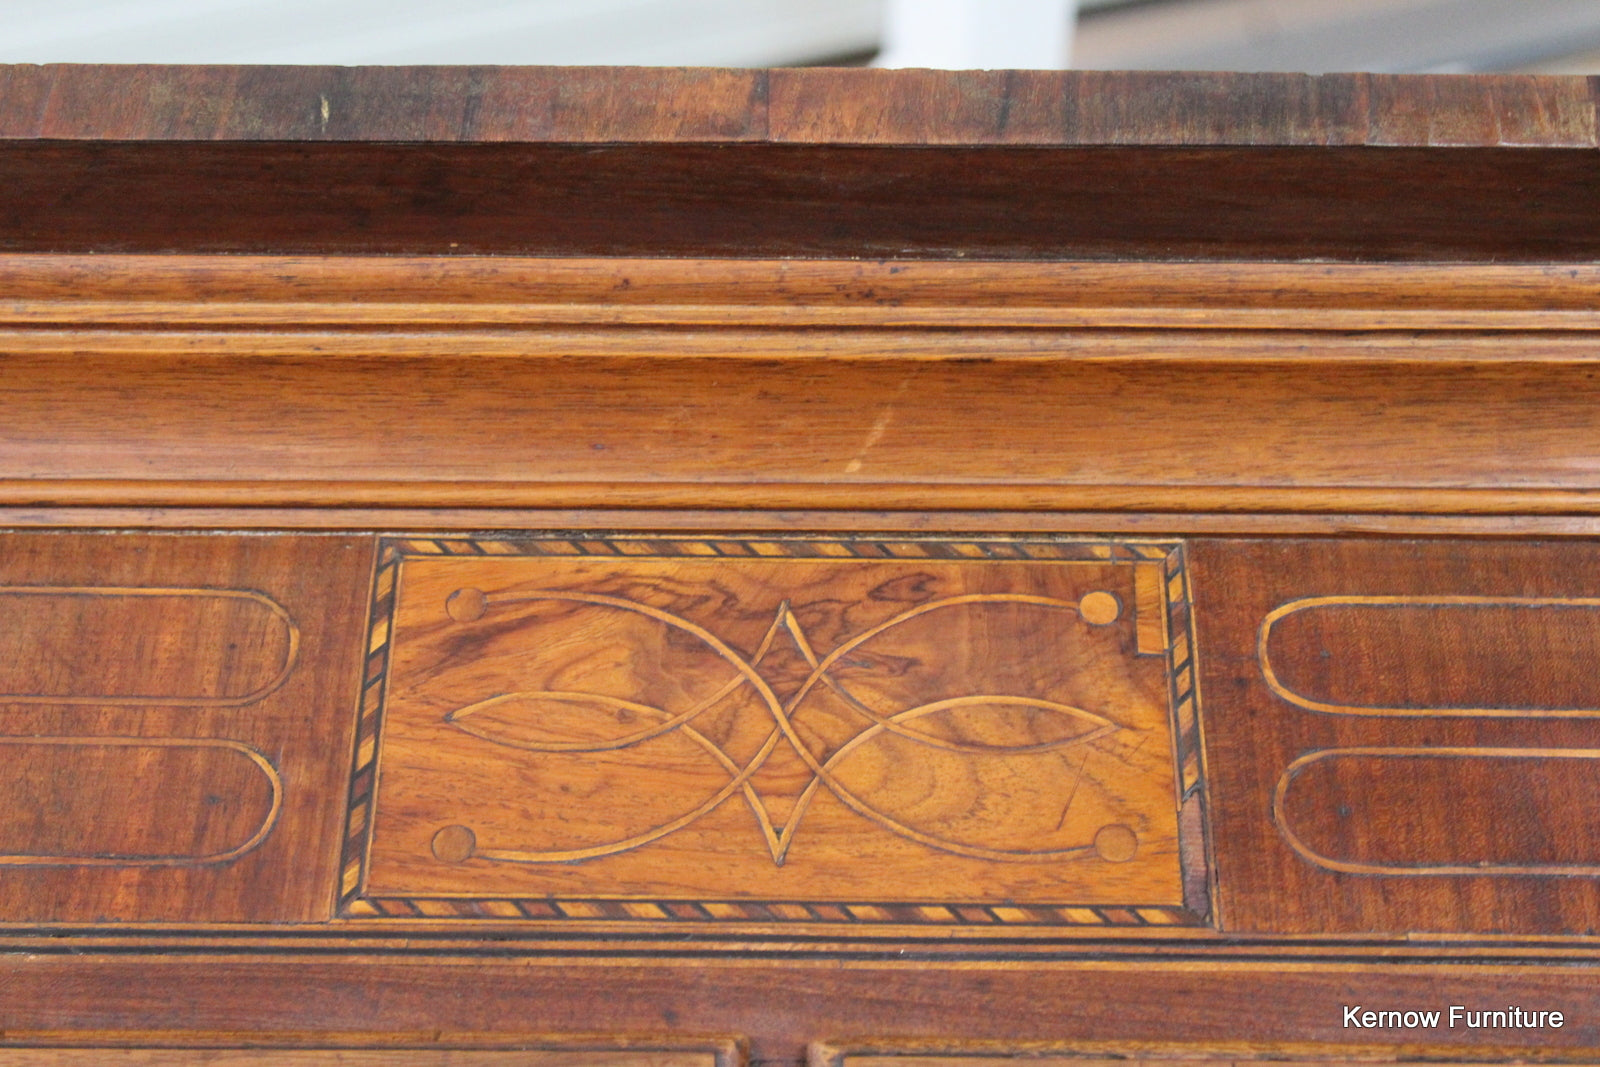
714	911
364	763
1088	551
1181	669
363	780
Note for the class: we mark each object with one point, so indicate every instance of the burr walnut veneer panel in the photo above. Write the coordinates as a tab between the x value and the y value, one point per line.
818	730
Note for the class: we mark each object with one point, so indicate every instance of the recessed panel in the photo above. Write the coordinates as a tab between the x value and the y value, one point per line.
1431	811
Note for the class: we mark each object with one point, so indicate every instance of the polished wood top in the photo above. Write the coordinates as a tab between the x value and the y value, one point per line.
816	106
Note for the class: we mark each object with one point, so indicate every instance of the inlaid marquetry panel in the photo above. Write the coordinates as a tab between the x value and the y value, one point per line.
853	731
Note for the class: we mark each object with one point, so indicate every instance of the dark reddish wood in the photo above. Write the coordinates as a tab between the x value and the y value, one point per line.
927	107
223	1048
200	726
1389	657
606	161
1251	400
1263	203
1474	811
1394	817
785	1007
283	103
891	1053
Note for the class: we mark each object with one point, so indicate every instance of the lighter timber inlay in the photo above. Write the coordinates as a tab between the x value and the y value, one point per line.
914	731
1085	726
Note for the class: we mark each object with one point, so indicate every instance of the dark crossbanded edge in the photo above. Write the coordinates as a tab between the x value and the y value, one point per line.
355	904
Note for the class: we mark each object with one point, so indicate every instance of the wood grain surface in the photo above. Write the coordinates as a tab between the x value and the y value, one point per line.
808	106
651	162
1446	789
796	162
166	295
1110	523
687	729
148	382
763	200
177	725
81	802
171	428
256	643
168	430
370	1049
351	1058
1032	1058
1150	1056
632	307
785	1007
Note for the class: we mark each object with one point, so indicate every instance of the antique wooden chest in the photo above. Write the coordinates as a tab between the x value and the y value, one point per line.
639	567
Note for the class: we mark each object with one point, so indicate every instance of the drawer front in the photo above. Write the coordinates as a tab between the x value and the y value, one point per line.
698	732
1401	735
1046	738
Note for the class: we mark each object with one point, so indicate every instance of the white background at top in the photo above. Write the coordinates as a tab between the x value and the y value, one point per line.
1296	35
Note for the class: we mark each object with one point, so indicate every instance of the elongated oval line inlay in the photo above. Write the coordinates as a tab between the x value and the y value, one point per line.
127	750
1509	644
203	624
1575	772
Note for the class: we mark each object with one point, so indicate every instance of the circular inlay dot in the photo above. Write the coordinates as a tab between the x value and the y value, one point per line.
1116	843
1099	608
454	844
466	605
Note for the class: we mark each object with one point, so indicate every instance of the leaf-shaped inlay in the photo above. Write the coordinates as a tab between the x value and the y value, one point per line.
558	721
1003	724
